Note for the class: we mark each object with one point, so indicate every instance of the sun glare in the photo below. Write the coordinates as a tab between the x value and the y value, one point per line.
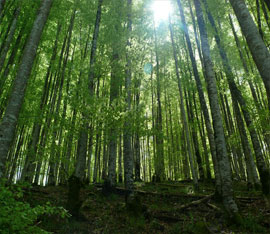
161	10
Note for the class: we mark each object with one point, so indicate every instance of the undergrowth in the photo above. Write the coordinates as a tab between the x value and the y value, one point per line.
17	216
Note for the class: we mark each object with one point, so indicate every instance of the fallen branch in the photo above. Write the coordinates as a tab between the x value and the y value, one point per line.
194	202
214	207
167	218
122	191
162	194
173	185
248	198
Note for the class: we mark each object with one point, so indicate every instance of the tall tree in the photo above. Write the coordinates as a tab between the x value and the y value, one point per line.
83	136
237	97
222	157
75	181
201	98
183	112
257	47
2	3
128	157
10	119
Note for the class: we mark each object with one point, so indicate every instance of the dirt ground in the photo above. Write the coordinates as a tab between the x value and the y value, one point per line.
168	207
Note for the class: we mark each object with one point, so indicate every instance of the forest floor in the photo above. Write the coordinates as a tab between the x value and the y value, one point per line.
160	208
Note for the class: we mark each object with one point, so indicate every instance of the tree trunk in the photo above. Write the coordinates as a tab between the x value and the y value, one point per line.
83	136
183	113
2	4
202	101
75	181
258	49
160	170
114	93
9	38
10	119
267	2
223	161
237	97
128	159
120	168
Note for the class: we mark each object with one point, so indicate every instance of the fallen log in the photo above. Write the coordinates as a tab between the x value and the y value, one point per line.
167	218
248	198
123	190
197	202
214	207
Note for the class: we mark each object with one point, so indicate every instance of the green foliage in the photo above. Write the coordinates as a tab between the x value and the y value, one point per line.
137	222
17	216
250	224
176	228
196	227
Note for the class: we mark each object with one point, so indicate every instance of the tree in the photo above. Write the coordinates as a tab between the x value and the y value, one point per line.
128	160
222	157
257	47
183	113
10	119
76	180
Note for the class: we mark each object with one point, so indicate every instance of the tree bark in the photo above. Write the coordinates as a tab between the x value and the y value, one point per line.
202	100
10	119
238	97
267	2
9	38
114	93
258	49
75	181
223	160
183	112
2	4
83	136
128	158
160	170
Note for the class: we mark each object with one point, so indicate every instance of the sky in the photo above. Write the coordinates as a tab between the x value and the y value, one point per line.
161	10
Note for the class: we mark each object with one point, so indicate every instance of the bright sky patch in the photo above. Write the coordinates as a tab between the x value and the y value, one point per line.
161	10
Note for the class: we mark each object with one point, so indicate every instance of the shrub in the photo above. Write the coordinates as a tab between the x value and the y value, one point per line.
17	216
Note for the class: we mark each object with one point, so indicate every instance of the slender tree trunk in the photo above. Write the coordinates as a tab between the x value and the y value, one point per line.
128	159
183	113
32	151
75	181
195	136
252	176
203	105
160	170
114	93
12	60
137	148
237	97
258	8
81	160
223	160
258	49
267	2
10	119
9	38
120	155
2	4
14	161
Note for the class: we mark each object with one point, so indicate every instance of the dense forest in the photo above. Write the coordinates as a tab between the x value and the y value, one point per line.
144	103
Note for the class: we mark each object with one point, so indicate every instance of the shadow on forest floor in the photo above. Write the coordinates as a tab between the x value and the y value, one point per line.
166	208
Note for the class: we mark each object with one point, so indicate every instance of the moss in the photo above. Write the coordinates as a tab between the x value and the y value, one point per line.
200	228
134	206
